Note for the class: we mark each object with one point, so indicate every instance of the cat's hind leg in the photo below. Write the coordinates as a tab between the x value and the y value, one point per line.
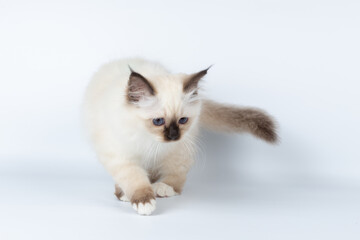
120	194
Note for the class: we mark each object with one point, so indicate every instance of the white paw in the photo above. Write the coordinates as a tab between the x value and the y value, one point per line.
145	208
163	190
124	198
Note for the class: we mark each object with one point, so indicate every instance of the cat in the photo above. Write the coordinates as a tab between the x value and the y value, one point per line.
143	122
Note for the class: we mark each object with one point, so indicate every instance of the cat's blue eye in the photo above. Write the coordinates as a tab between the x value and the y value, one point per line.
158	121
183	120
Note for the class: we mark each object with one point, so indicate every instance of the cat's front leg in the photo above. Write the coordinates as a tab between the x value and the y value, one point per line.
173	174
170	185
163	190
135	185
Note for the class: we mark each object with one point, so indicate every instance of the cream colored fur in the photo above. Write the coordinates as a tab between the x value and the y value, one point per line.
124	145
134	151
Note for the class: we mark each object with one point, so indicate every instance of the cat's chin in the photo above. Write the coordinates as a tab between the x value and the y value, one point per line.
168	141
172	141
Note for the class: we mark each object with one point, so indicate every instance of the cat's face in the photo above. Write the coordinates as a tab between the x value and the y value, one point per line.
168	105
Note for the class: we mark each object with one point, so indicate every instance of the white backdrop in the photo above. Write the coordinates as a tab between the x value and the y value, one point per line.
299	60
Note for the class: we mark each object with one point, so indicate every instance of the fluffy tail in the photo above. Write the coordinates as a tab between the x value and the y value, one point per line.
227	118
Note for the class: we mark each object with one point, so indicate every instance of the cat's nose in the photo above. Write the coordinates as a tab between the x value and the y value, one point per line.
173	133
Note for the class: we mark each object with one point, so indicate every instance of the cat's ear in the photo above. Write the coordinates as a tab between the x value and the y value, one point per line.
139	88
192	81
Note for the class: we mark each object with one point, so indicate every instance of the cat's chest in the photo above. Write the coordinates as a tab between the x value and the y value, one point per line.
145	151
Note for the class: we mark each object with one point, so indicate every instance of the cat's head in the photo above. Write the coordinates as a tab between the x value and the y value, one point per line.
169	105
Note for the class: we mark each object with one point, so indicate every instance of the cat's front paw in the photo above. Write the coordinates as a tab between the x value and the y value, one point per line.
143	201
163	190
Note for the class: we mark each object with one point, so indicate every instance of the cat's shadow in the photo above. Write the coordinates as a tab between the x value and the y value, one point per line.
213	164
222	175
212	170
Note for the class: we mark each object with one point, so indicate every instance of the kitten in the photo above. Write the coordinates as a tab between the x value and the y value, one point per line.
143	122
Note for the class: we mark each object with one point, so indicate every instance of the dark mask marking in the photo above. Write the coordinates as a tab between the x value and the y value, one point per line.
172	132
